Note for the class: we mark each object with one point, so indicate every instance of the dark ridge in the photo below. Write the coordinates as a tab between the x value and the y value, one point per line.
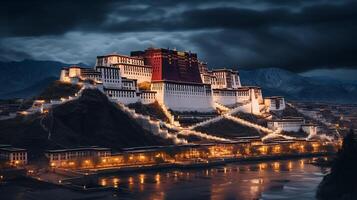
228	129
90	120
153	110
58	89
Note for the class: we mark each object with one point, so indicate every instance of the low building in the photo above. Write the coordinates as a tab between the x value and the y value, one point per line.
13	156
75	74
274	103
292	124
60	157
310	129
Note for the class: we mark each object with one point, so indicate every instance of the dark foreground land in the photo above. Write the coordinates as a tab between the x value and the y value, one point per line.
341	182
91	120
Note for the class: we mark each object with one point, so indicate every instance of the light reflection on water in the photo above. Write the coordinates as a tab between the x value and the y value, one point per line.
293	179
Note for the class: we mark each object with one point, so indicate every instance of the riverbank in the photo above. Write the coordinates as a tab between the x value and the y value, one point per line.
75	181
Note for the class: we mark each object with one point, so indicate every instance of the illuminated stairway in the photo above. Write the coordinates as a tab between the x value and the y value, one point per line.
221	107
169	115
152	126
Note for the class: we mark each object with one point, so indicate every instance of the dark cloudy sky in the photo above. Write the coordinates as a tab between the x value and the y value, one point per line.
299	35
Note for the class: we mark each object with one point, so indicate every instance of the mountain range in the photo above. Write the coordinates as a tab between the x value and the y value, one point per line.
279	82
29	77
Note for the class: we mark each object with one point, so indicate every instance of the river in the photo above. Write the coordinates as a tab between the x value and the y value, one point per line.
287	179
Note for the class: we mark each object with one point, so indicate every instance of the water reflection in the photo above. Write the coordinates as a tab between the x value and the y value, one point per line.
293	179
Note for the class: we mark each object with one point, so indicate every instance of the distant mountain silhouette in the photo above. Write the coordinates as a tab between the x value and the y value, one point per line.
28	77
275	81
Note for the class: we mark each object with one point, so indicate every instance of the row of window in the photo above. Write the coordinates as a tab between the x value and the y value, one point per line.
119	93
147	95
110	73
243	93
140	70
120	59
72	155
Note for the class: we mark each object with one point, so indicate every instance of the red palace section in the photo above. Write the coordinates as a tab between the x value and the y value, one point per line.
171	65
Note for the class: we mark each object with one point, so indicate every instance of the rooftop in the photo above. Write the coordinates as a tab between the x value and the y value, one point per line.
120	55
11	149
92	148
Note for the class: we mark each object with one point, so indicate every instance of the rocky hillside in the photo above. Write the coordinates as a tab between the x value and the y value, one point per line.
90	120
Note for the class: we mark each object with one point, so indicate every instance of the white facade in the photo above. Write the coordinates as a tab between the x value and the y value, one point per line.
183	97
74	74
226	79
243	95
147	97
122	95
310	129
110	77
56	157
287	124
274	103
14	156
224	96
130	67
113	59
140	73
119	76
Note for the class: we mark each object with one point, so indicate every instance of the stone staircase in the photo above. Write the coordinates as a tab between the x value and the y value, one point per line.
150	125
170	116
221	107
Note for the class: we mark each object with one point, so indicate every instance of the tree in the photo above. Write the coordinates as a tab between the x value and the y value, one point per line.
341	183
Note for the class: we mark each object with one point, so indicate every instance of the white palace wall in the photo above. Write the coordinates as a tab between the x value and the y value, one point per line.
184	97
224	97
123	96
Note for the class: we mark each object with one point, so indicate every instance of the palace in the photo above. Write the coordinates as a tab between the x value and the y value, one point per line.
175	79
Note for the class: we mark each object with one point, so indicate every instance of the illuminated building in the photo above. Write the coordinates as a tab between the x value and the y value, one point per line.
75	74
172	78
13	156
176	79
182	155
292	124
130	67
66	157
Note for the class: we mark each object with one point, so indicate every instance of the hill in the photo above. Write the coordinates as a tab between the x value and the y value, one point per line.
28	77
90	120
57	89
228	129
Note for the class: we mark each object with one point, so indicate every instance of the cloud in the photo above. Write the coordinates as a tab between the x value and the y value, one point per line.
297	35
